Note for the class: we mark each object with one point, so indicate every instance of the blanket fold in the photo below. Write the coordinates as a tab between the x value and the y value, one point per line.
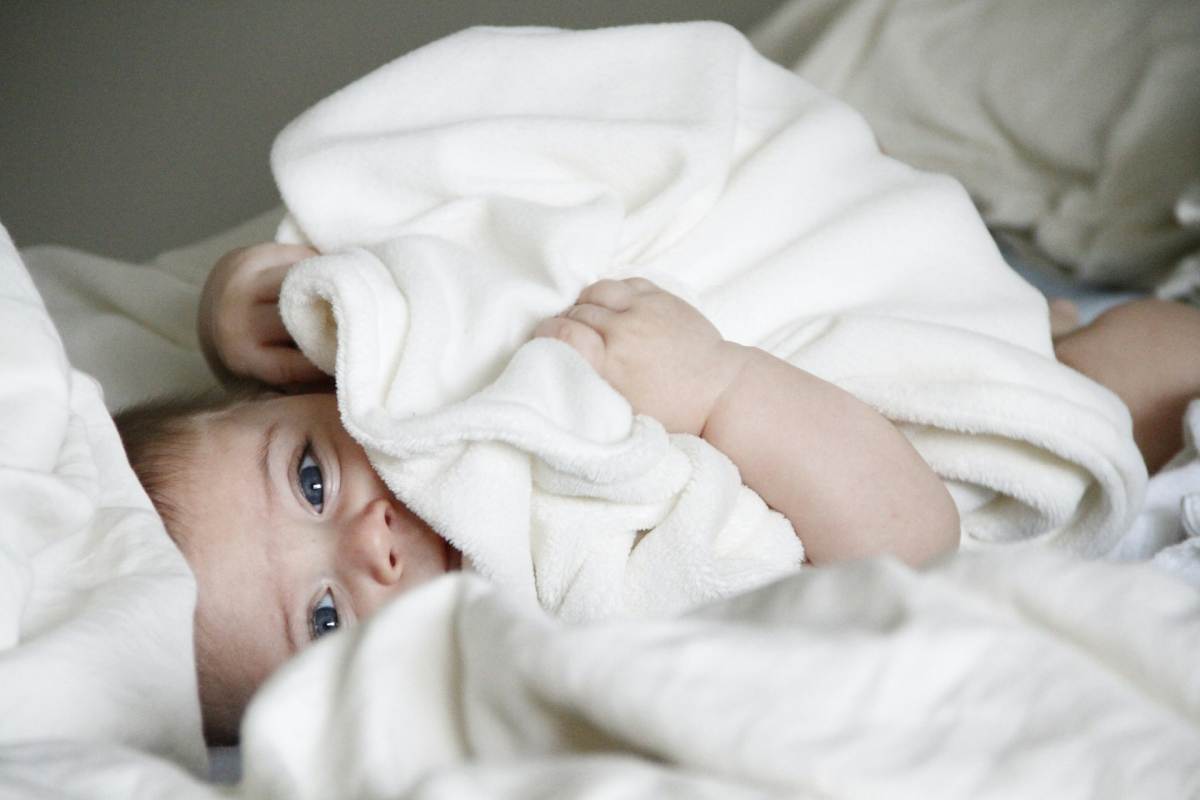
95	634
1020	674
470	189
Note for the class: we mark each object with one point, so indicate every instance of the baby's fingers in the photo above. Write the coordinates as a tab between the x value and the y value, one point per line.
266	282
266	326
283	365
608	293
584	339
261	272
596	317
641	285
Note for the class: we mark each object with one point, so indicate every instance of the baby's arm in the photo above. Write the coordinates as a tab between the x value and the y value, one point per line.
848	481
241	333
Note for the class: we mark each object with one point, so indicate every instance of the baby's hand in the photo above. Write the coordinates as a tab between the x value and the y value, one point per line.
240	330
661	353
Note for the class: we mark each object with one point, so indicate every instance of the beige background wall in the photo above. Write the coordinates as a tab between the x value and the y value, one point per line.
130	127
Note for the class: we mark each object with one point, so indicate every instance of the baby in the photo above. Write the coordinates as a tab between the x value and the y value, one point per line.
292	535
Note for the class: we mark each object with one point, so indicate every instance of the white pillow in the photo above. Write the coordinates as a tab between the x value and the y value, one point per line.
1073	122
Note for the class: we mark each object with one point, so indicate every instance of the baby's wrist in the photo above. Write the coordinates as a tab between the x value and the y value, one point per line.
733	361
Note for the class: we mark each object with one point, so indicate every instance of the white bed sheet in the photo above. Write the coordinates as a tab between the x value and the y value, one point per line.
1023	673
1075	124
95	641
133	326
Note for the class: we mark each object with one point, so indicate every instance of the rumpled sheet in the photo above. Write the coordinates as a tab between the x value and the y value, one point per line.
1167	529
130	326
96	621
1021	673
1015	674
1075	124
473	187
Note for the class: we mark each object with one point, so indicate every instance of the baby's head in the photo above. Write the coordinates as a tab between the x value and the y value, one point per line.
288	529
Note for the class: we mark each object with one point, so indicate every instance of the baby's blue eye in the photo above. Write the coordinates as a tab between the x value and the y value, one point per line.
312	482
324	618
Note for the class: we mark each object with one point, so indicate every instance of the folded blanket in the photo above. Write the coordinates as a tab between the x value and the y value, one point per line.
473	187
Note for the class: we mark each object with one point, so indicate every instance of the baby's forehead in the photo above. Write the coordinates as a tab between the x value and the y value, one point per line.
245	431
221	498
244	418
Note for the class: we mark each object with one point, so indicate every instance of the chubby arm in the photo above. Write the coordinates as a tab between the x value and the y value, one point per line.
848	481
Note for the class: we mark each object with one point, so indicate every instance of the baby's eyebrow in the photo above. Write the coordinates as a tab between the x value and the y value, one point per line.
264	465
286	619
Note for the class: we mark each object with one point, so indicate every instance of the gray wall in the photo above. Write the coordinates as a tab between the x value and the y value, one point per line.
130	127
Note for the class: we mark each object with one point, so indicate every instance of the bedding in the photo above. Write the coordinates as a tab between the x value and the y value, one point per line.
1012	673
462	194
1075	125
95	639
1167	527
1024	673
133	326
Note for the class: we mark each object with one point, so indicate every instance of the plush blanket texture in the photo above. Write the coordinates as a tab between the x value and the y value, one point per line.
469	189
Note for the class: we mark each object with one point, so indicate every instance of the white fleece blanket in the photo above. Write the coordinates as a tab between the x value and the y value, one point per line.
473	187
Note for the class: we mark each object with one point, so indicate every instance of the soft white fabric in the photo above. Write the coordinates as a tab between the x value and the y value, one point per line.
1016	674
133	326
1074	122
96	635
466	191
1095	621
72	770
1168	527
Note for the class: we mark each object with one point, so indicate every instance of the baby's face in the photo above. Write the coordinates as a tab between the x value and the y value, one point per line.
291	535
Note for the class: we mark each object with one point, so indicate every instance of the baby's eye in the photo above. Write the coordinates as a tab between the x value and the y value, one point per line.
324	618
312	482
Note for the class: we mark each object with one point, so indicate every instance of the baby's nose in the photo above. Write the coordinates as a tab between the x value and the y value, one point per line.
375	544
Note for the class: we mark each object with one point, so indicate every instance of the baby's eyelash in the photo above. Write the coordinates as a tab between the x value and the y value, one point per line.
323	618
310	478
